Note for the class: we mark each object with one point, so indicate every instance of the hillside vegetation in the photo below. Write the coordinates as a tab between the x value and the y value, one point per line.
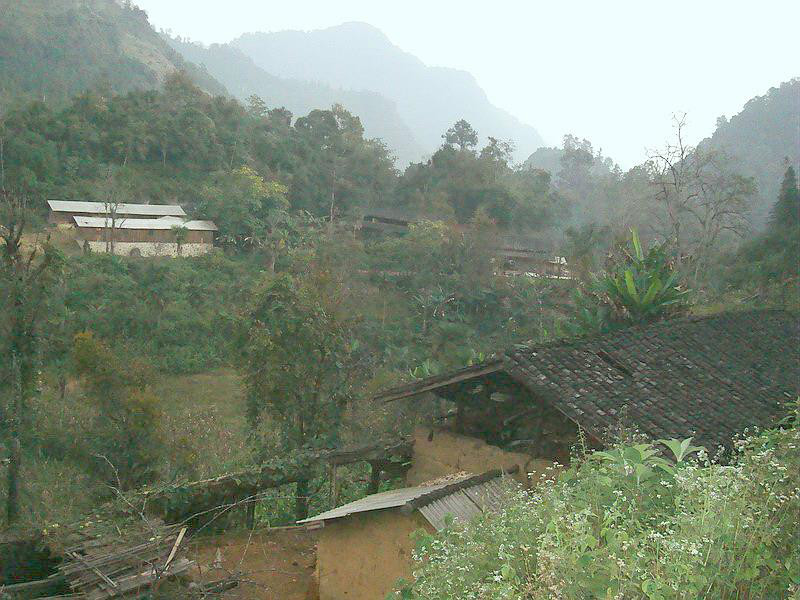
55	49
627	524
243	78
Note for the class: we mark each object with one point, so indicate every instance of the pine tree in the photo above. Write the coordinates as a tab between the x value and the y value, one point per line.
785	213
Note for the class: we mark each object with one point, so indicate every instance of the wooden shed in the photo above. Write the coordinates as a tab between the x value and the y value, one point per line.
365	546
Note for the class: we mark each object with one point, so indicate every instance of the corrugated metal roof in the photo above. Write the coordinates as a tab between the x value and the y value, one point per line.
163	223
466	504
435	502
390	499
101	208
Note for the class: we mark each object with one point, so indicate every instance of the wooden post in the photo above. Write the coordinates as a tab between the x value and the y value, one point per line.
334	485
374	477
251	515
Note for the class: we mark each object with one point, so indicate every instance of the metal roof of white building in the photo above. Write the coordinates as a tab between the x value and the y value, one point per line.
102	208
164	223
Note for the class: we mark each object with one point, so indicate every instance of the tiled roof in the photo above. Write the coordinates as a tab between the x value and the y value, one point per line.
711	377
461	499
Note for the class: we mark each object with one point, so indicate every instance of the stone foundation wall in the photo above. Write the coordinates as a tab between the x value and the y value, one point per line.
151	248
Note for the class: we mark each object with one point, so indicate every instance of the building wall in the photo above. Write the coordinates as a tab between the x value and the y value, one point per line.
441	452
362	556
99	234
151	248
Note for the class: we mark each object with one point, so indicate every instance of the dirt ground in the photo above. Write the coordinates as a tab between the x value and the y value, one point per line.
276	564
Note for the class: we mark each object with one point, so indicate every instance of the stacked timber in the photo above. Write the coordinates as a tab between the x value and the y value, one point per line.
111	567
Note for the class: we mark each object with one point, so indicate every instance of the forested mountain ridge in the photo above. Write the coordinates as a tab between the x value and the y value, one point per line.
762	140
357	56
54	49
759	142
243	78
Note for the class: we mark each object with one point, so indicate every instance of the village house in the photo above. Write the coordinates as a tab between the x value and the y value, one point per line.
165	236
62	212
710	378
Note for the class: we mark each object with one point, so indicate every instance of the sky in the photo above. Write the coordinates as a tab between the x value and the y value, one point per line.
614	72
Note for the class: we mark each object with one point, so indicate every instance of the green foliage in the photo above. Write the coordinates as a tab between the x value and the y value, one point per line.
627	523
179	313
55	49
250	212
125	443
760	139
639	288
167	145
458	183
772	259
298	360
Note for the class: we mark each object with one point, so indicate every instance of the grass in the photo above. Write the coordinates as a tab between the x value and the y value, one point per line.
204	422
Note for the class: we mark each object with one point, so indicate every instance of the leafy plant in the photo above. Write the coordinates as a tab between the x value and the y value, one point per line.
642	287
632	523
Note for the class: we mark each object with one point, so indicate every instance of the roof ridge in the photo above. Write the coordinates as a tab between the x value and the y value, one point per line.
575	341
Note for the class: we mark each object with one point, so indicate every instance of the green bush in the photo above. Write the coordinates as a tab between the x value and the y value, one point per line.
626	524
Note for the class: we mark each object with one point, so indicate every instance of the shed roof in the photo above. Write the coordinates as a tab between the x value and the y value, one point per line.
462	499
102	208
164	223
710	377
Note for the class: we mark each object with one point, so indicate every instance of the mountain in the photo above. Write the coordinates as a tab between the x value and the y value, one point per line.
243	78
762	140
357	56
54	49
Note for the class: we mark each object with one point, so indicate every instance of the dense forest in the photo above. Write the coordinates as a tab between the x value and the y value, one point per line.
53	50
123	374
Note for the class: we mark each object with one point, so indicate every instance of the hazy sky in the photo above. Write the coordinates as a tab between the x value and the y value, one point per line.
613	72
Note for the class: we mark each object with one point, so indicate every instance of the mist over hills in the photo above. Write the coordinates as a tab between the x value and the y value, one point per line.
357	56
243	78
54	49
762	140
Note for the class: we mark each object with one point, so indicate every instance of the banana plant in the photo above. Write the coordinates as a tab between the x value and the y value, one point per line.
647	286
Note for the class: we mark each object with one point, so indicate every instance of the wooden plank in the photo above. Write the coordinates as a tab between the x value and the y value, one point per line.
175	547
33	589
97	571
140	580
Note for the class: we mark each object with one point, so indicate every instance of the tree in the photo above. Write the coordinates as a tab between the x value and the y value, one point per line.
698	196
462	135
773	257
785	213
299	364
125	440
251	213
26	278
181	233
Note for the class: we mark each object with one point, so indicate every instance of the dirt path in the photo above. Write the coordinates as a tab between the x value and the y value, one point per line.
277	564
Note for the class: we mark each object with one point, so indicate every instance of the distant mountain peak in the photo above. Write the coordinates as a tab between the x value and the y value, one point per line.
360	57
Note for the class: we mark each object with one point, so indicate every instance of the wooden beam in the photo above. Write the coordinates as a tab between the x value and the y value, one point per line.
439	381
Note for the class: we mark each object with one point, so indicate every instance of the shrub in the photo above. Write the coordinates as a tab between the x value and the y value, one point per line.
626	524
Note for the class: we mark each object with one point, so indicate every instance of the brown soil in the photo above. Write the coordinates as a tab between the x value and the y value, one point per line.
275	564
